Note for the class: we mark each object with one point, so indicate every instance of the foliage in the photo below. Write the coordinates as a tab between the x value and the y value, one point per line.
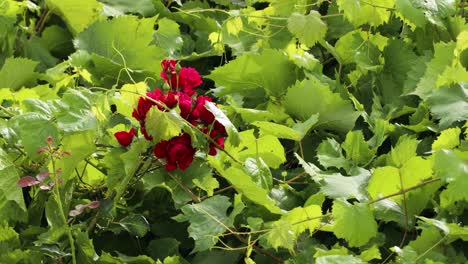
231	131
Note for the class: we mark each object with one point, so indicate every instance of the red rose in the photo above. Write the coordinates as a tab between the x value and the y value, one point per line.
169	100
124	137
220	142
169	66
200	111
189	78
178	151
185	104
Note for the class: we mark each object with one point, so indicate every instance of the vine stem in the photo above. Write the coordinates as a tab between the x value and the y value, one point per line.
186	189
402	191
58	198
42	19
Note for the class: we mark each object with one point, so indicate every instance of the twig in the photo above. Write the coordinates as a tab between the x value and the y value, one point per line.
402	191
186	189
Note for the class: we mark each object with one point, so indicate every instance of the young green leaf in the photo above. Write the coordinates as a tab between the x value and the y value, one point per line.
307	28
355	223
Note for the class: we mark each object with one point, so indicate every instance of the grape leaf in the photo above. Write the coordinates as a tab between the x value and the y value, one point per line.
233	135
277	130
303	218
448	139
116	40
260	172
267	147
135	224
77	14
12	206
270	70
281	235
168	37
208	219
443	100
360	12
121	7
443	57
388	180
163	125
453	170
244	184
330	154
35	124
338	186
334	112
409	12
355	223
307	28
17	72
357	149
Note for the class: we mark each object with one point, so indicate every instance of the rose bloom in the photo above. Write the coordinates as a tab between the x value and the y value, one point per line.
177	151
124	137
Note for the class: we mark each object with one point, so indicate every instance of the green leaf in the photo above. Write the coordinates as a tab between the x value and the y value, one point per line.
334	112
452	170
207	183
303	218
355	223
357	149
281	235
34	124
277	130
404	150
267	147
85	247
245	185
121	37
233	134
370	253
12	207
389	180
129	95
360	12
445	99
357	47
9	239
339	186
330	154
453	231
80	145
260	172
17	72
308	29
208	220
270	71
77	15
448	139
234	25
163	247
77	115
337	259
135	224
163	125
408	11
167	36
443	57
121	7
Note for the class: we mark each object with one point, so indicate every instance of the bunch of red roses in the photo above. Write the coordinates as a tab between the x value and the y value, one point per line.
177	151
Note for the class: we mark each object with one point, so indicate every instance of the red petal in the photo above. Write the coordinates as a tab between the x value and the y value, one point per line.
160	149
124	137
